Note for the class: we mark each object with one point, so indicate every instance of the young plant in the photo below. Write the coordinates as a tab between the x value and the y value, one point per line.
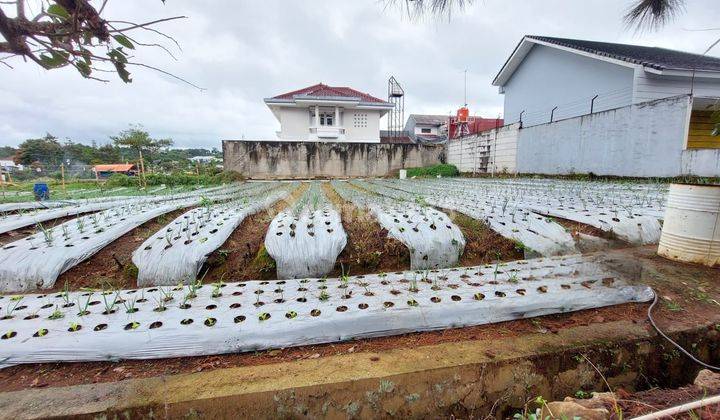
323	296
130	306
57	314
74	326
47	233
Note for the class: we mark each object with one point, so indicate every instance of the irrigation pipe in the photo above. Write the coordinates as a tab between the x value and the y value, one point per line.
668	412
679	347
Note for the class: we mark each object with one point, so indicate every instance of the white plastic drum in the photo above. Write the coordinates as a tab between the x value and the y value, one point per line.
691	231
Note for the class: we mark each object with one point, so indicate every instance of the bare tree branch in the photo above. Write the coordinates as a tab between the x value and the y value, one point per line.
73	33
652	14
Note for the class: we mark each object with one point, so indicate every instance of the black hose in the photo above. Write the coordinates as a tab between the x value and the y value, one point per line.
652	321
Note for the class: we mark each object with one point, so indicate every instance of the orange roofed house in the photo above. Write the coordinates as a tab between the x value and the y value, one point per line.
105	171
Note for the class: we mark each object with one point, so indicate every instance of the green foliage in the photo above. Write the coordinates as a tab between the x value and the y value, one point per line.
139	140
444	170
121	180
47	150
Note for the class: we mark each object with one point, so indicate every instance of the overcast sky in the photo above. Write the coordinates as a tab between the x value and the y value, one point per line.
242	51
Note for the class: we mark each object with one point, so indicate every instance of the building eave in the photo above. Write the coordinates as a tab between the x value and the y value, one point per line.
526	44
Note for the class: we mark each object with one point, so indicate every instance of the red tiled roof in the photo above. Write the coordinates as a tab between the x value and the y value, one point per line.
118	167
323	91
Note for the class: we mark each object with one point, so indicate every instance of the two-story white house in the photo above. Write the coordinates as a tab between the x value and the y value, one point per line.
328	113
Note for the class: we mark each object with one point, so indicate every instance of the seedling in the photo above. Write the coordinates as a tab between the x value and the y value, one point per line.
130	306
83	309
47	233
323	296
74	326
166	293
57	314
217	289
66	293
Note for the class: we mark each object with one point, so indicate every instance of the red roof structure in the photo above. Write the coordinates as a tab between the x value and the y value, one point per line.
116	167
475	125
324	91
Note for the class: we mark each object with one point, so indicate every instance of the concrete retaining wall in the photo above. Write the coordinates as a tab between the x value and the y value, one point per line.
273	159
489	151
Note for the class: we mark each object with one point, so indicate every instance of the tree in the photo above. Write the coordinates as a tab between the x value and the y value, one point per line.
46	151
138	140
73	33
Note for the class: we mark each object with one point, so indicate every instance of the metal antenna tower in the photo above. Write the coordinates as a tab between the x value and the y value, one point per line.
396	116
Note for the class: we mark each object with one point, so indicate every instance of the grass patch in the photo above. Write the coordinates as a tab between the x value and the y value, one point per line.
444	170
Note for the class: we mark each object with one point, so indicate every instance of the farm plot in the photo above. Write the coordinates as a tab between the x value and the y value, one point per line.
631	212
433	239
537	234
200	319
306	240
177	252
37	260
74	208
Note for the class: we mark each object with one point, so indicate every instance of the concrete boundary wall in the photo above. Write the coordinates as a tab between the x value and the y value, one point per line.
643	140
300	160
488	151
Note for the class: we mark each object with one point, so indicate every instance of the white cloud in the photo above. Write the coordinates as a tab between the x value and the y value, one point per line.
243	51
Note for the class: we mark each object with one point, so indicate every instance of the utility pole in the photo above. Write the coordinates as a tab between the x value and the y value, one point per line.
465	89
142	170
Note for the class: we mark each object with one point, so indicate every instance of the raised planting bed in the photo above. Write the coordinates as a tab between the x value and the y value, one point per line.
433	240
36	261
305	240
235	317
44	211
177	252
537	234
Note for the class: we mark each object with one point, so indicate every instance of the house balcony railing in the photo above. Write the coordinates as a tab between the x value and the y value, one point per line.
331	132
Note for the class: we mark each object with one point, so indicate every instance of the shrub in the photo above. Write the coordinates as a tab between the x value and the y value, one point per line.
121	180
443	169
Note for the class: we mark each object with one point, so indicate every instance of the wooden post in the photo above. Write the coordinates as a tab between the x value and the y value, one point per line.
97	178
142	170
62	178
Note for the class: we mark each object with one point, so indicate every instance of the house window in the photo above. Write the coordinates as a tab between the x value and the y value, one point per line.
425	130
326	118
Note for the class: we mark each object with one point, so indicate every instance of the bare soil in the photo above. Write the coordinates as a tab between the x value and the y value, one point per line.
369	249
243	255
482	244
689	297
645	402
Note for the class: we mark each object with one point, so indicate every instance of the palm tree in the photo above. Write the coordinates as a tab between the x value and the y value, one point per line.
653	14
650	14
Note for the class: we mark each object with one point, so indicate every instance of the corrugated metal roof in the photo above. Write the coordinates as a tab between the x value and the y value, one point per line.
427	119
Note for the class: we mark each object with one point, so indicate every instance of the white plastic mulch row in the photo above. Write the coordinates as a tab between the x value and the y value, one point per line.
433	239
306	240
74	208
239	317
37	260
177	252
629	211
536	233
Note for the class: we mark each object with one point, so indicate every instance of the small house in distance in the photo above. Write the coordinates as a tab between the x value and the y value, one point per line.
427	128
328	113
105	171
